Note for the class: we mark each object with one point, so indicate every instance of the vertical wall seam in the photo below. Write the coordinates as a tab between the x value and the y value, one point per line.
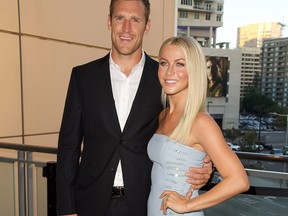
21	166
21	74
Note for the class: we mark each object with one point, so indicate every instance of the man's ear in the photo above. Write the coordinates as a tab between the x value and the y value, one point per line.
109	22
147	27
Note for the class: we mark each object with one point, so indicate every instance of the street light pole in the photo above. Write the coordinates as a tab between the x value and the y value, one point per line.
286	136
208	102
286	129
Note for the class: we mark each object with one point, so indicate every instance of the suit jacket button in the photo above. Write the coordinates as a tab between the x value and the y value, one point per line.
122	142
112	170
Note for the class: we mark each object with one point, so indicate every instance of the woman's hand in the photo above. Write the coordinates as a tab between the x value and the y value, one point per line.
173	200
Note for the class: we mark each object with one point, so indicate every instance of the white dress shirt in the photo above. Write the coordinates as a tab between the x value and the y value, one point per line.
124	90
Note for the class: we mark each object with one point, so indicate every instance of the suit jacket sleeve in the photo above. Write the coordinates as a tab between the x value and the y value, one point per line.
69	148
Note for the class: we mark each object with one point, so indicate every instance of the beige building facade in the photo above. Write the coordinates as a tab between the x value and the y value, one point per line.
225	110
250	66
253	35
200	19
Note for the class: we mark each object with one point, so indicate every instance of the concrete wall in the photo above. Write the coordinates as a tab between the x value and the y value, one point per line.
229	106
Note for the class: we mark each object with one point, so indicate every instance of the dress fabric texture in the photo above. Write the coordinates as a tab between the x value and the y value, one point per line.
171	160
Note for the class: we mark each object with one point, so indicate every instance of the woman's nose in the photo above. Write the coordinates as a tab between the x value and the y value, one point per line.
170	70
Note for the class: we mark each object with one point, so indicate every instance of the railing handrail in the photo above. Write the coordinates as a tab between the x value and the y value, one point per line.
53	150
262	156
28	148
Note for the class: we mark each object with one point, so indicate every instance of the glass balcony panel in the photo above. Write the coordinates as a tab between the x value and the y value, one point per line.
7	189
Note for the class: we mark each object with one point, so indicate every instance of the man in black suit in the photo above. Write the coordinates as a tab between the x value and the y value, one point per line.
112	109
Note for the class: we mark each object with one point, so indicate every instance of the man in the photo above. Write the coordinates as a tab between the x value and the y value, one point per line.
112	106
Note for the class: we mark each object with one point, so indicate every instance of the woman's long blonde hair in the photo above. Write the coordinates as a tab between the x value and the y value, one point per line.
197	85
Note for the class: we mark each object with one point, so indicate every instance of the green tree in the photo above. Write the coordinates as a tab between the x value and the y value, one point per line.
231	134
247	141
254	102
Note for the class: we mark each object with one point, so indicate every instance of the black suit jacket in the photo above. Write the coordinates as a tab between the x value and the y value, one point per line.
90	118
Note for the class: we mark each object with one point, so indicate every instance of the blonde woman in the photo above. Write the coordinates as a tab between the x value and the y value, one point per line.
186	134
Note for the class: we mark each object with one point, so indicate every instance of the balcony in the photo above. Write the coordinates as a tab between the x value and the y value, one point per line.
27	185
200	6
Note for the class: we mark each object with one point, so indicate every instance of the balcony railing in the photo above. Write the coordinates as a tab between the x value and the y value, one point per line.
28	186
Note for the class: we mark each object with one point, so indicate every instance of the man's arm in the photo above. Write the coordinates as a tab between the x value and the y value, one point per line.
69	150
198	177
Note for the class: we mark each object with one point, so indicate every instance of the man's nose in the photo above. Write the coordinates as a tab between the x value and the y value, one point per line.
127	26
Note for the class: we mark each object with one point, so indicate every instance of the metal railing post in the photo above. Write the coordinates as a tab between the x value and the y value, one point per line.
21	183
30	183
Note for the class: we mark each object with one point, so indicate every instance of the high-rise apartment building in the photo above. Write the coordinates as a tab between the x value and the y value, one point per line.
200	19
250	66
275	70
253	35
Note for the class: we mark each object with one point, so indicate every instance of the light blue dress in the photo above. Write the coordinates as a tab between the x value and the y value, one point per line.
171	160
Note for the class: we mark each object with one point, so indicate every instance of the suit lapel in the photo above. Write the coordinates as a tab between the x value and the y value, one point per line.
107	96
147	87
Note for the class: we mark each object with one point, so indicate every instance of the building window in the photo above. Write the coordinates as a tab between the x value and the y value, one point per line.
208	7
219	18
219	7
208	16
183	14
196	16
186	2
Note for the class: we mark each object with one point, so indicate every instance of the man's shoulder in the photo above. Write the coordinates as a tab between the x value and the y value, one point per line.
150	62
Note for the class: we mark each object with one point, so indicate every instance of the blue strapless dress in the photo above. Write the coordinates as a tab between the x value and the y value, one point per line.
171	160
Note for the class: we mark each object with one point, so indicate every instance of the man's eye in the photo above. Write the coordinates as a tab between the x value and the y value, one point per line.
135	20
119	18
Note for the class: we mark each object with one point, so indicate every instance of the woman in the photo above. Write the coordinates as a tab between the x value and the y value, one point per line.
186	133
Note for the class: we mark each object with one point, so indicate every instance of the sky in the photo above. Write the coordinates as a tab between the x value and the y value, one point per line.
245	12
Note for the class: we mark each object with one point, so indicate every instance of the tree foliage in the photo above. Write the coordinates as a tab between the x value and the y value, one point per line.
256	103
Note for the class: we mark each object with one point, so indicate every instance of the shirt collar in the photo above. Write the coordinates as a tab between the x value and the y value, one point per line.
137	66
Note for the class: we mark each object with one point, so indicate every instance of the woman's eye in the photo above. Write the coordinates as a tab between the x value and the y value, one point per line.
162	63
180	64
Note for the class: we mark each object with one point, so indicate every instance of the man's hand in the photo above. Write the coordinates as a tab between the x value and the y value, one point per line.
198	177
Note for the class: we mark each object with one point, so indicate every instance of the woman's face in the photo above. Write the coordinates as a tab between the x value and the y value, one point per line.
209	70
172	71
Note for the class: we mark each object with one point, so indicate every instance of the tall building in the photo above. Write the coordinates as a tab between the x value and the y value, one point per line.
253	35
200	19
275	70
250	66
